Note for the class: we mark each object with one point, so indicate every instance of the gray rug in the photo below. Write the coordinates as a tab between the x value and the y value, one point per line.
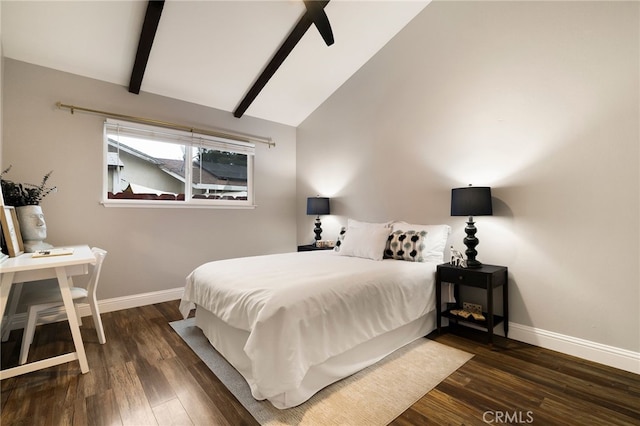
373	396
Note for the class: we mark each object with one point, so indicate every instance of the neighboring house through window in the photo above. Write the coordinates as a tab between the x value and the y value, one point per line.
148	164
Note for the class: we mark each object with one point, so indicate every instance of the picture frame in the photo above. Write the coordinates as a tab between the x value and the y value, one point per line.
11	231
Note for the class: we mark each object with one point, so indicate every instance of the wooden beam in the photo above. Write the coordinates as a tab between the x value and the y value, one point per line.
281	54
149	27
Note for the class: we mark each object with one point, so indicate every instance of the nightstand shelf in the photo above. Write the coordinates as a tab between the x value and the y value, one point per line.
497	319
487	277
312	247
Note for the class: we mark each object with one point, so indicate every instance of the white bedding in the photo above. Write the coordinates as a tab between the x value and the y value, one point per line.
301	309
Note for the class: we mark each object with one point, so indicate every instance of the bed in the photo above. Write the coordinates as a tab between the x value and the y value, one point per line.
293	323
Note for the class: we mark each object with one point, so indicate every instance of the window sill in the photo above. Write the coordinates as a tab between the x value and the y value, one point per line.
162	204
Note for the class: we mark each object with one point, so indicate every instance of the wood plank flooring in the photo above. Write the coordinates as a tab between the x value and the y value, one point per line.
146	375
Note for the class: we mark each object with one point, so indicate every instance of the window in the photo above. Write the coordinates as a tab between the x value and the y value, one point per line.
154	165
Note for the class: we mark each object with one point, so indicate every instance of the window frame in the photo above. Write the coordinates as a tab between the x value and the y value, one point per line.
192	141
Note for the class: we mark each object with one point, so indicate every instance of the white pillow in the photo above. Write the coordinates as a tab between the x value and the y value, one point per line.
366	242
352	224
435	241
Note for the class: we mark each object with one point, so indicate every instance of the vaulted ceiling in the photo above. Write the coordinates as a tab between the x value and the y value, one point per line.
207	52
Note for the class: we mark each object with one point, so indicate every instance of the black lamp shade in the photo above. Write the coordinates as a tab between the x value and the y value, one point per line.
471	201
318	205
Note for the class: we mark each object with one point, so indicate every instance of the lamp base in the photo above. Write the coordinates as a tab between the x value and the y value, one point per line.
473	265
318	230
471	242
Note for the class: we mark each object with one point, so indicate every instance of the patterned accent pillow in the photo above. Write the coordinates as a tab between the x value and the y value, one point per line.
343	231
436	240
406	245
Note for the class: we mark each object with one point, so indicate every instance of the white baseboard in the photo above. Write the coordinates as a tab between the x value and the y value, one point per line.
108	305
608	355
134	301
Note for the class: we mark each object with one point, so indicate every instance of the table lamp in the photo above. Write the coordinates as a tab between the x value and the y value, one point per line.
471	201
317	206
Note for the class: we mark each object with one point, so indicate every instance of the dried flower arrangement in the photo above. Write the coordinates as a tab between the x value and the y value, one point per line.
27	194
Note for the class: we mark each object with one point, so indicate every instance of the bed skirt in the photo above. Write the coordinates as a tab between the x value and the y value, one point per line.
230	341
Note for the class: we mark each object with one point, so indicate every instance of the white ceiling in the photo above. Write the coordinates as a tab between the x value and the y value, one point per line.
207	52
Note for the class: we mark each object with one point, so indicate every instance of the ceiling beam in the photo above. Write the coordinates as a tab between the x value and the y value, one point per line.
149	27
278	58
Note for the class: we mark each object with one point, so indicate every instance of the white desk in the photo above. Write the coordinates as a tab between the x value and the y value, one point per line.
25	268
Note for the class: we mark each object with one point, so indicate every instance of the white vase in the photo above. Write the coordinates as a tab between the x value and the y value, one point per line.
33	228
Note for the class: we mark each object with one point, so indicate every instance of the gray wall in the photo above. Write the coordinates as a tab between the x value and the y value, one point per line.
150	249
538	100
1	99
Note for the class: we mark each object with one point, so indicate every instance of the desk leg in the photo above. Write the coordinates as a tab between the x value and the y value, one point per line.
5	288
63	282
13	304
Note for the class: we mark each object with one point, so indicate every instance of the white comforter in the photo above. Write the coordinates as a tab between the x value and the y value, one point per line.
302	308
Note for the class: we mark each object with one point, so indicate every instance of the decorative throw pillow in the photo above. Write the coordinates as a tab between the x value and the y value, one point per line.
343	231
436	240
406	245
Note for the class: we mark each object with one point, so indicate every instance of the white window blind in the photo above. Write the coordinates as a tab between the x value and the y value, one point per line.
116	128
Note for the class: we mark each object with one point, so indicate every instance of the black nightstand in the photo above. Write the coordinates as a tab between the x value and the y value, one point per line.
487	277
311	247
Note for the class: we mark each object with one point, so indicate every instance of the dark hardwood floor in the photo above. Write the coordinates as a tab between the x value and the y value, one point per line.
146	375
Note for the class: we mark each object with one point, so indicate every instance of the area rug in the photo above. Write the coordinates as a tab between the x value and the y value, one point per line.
374	396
